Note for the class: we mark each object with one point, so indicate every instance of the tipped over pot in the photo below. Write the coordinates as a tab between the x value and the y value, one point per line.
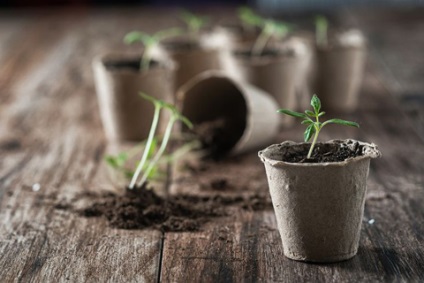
118	80
242	117
319	206
339	70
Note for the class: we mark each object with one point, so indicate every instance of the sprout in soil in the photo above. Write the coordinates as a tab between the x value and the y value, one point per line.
321	27
194	23
151	165
150	41
315	126
269	28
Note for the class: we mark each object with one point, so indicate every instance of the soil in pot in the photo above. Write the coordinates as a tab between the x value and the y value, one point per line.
218	137
322	153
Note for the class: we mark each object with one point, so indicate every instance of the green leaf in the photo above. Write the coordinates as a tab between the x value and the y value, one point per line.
310	113
249	17
292	113
111	161
138	36
163	34
186	121
156	102
321	114
310	130
316	103
341	122
307	122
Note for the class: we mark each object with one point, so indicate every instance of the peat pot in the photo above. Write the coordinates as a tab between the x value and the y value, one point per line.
318	206
278	71
118	80
249	115
339	71
192	57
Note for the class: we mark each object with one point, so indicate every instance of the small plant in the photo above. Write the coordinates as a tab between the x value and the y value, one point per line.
194	23
150	41
311	118
321	29
269	28
151	165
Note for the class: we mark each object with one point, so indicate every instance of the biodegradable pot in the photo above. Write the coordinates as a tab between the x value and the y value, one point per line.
118	80
192	58
277	71
318	206
251	114
339	71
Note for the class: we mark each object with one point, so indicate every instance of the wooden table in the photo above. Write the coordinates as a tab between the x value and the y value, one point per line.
51	134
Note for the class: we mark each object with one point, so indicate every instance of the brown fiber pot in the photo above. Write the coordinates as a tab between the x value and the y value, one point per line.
192	58
318	206
338	75
276	73
125	115
251	113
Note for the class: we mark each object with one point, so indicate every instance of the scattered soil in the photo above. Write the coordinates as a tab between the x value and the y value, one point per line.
218	136
323	152
143	208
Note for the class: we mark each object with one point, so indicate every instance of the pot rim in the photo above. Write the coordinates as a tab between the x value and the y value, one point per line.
99	62
371	151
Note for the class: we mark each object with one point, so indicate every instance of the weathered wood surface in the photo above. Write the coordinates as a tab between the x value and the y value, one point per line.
50	133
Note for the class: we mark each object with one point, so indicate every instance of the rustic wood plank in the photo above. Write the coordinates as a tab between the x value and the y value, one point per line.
52	136
247	247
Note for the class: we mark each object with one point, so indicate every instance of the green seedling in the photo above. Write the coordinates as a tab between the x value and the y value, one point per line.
151	165
311	119
321	29
194	22
269	28
248	17
119	162
150	41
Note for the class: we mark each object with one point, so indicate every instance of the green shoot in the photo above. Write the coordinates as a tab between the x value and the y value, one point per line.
149	42
269	28
175	116
194	23
151	166
248	17
321	28
311	119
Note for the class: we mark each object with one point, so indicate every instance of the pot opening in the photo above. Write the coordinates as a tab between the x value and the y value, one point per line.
218	111
131	64
268	53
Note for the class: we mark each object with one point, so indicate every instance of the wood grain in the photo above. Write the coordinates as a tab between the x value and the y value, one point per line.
50	134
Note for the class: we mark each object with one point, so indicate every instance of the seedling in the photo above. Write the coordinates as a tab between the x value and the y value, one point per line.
311	119
175	116
269	28
150	41
321	29
194	22
248	17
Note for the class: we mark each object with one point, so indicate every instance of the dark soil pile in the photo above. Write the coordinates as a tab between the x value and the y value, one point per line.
322	153
143	208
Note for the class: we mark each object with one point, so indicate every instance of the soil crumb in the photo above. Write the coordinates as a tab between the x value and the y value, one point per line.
142	208
218	136
323	152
